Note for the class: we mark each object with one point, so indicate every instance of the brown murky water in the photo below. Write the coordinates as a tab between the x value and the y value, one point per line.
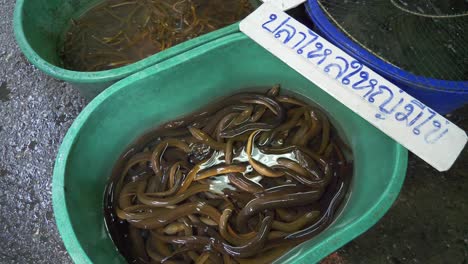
241	181
116	33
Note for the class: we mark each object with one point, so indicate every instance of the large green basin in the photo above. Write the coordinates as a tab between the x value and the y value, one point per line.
39	27
181	85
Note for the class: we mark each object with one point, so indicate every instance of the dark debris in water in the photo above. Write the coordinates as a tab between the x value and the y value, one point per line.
3	172
32	145
4	92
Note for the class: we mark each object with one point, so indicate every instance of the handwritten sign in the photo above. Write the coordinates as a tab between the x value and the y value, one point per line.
284	4
408	121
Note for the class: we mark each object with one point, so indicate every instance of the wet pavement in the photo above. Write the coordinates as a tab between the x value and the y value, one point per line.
427	224
35	113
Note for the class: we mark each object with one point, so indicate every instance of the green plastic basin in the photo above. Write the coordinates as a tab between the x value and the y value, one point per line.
181	85
39	27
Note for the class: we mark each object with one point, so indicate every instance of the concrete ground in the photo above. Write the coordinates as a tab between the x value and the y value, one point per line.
427	224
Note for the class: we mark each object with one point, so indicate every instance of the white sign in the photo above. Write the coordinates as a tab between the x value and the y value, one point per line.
408	121
284	4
